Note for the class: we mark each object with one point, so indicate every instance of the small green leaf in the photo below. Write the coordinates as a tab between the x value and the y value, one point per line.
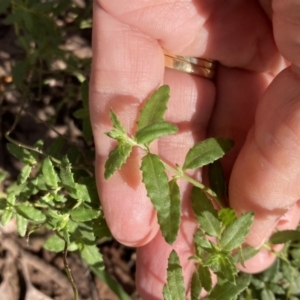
66	174
24	174
117	157
6	216
201	240
81	113
82	214
21	225
116	123
196	286
155	107
223	265
266	294
157	186
174	289
235	234
205	277
49	173
92	256
227	290
81	193
216	179
54	244
154	131
282	237
22	154
30	213
172	222
206	152
227	216
205	213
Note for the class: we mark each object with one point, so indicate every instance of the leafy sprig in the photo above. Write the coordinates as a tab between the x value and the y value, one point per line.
227	230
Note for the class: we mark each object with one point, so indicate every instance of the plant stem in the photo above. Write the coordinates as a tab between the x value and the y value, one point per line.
67	267
179	173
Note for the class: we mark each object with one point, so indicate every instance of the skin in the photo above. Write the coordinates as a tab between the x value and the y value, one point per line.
255	100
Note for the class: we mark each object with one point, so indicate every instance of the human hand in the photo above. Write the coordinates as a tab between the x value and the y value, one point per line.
128	65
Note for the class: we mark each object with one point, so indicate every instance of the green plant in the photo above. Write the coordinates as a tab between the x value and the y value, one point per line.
55	187
228	230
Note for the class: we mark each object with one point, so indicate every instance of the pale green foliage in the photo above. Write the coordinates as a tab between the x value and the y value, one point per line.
155	107
206	152
174	289
156	182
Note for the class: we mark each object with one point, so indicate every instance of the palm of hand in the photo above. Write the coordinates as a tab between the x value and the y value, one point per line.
128	65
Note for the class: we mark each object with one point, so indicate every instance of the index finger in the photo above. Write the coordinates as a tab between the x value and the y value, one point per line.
127	66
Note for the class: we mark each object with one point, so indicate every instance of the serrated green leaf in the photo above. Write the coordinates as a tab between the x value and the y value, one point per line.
54	244
24	174
174	289
227	216
223	265
6	216
205	213
50	176
92	256
22	154
281	237
172	222
157	186
117	123
30	213
206	152
65	173
235	234
201	240
154	131
82	214
227	290
117	157
205	277
196	286
81	193
217	180
155	107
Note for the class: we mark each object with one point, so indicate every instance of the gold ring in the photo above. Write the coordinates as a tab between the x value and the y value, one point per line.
198	66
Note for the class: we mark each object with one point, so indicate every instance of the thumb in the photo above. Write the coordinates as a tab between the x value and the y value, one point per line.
266	175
